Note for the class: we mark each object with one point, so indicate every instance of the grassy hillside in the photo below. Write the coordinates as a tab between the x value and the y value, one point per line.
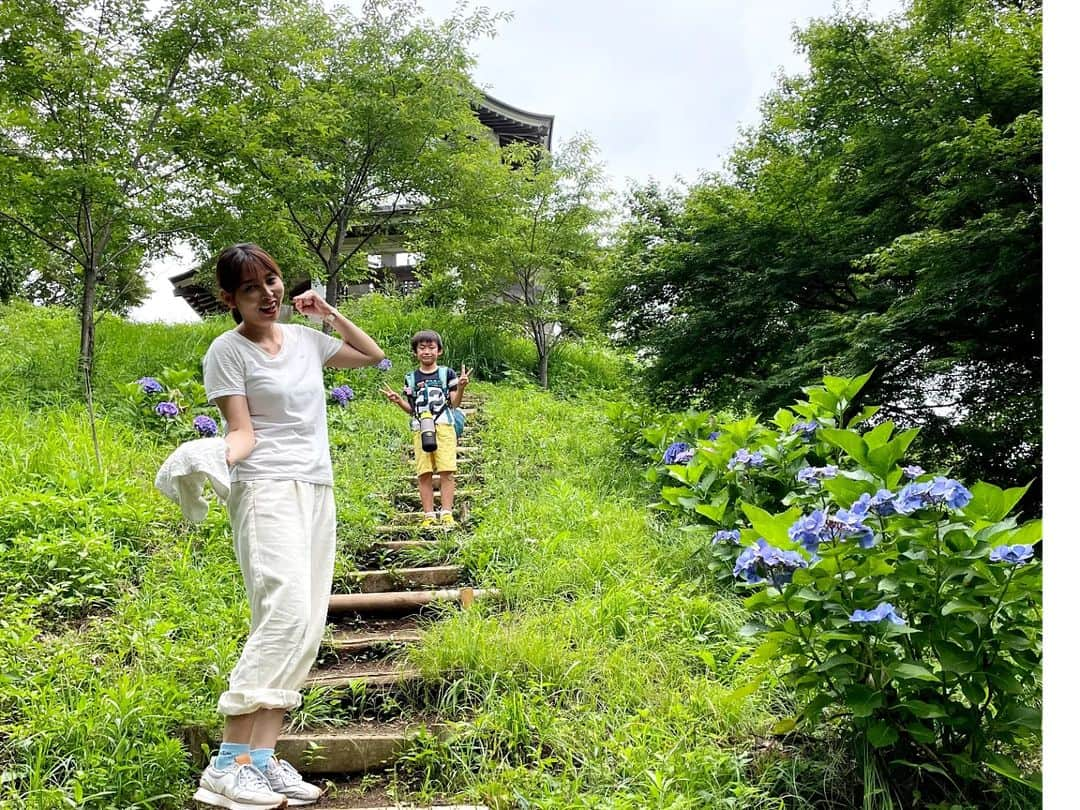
606	679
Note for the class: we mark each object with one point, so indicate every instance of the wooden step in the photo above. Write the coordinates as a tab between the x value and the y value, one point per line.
460	478
373	674
354	641
404	578
404	601
393	546
351	749
463	493
412	530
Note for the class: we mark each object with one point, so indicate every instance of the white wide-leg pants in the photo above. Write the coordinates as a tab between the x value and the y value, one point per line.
284	534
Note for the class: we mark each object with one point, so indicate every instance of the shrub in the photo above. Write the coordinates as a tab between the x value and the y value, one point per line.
901	604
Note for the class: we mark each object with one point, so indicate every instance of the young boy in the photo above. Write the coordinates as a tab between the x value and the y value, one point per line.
425	391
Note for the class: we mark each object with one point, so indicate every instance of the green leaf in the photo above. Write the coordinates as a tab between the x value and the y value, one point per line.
961	606
954	658
881	734
913	672
847	440
785	726
920	708
862	700
774	528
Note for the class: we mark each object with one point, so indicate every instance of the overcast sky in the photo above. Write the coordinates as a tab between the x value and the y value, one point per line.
662	86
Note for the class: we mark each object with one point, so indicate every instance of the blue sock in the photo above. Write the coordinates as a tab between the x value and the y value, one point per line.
260	758
228	753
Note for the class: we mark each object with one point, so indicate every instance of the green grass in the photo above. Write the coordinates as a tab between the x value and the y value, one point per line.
609	677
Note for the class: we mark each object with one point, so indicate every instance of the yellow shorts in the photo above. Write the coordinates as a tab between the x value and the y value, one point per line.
444	459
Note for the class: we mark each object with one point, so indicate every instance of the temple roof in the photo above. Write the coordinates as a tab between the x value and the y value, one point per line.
514	124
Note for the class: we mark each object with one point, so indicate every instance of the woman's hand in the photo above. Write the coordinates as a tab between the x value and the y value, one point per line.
313	305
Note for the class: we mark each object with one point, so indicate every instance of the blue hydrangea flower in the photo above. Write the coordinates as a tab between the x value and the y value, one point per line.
939	492
814	475
761	562
712	437
342	395
205	426
805	428
726	536
882	503
913	471
150	385
847	524
166	409
673	450
744	456
880	613
952	493
806	531
1013	555
384	364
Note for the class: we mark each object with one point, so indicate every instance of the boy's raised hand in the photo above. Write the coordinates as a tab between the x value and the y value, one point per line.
463	376
392	395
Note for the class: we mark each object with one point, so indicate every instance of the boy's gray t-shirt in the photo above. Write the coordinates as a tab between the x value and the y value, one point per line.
286	399
422	396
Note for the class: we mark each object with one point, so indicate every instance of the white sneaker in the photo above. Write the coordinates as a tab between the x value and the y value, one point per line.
241	786
284	779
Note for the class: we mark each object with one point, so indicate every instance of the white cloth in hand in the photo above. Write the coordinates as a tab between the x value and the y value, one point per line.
183	476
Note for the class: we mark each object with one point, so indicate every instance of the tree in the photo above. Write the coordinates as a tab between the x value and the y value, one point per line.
91	95
526	260
885	214
329	127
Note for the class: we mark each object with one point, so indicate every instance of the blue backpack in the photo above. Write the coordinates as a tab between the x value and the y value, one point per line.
455	413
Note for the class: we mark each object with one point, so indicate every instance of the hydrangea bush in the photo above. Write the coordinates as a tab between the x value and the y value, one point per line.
900	603
172	404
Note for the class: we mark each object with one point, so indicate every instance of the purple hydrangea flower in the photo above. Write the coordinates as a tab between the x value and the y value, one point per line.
712	437
913	471
342	395
683	456
384	364
205	426
150	385
880	613
1013	555
727	536
166	409
674	449
810	531
744	456
761	562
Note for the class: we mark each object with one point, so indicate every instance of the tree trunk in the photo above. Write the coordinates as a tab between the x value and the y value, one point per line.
545	355
86	335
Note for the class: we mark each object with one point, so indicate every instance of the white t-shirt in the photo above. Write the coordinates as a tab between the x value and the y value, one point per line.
285	397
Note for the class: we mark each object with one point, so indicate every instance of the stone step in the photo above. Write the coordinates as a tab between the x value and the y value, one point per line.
405	578
412	531
395	546
404	601
351	749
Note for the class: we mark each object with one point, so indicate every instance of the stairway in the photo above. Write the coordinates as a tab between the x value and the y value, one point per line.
370	624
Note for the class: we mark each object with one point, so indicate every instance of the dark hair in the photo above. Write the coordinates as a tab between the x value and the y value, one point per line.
426	336
234	261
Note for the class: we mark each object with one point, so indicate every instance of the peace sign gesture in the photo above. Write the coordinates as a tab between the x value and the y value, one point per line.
392	395
463	376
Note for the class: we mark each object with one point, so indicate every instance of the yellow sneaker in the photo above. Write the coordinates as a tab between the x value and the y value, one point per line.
427	522
447	520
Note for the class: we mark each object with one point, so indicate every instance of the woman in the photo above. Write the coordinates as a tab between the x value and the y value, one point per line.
266	379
